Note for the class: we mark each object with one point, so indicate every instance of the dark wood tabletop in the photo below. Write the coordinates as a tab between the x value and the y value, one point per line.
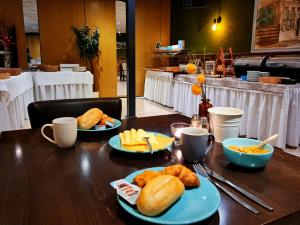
41	184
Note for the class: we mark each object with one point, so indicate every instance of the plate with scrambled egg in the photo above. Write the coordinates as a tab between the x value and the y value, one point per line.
133	141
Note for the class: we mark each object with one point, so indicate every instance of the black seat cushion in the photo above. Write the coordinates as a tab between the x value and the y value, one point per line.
43	112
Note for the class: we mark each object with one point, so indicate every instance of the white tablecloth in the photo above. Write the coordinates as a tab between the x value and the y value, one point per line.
15	95
266	113
18	91
62	85
159	87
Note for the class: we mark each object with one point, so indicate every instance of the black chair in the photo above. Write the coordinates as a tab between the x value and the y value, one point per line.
43	112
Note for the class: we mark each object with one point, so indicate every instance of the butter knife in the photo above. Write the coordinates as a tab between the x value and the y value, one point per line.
200	170
241	190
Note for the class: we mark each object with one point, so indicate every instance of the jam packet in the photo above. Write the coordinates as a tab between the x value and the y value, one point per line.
126	190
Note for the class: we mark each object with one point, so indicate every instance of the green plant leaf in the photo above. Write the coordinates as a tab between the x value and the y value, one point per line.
87	41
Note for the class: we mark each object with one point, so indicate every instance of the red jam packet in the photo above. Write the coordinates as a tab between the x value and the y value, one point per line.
126	190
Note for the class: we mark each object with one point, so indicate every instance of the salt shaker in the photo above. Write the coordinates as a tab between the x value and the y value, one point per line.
204	123
196	121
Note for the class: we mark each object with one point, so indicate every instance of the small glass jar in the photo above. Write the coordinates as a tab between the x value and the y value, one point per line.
196	121
204	123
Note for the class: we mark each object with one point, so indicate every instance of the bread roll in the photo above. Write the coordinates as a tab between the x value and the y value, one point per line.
158	194
90	118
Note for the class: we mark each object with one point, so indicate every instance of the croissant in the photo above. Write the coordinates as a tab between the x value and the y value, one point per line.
142	179
185	175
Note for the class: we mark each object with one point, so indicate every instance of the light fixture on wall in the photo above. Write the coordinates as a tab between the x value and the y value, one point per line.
214	26
218	20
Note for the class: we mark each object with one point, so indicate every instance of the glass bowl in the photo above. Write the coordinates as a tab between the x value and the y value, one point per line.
176	129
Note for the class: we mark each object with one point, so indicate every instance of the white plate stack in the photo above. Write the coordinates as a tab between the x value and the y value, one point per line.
253	76
264	74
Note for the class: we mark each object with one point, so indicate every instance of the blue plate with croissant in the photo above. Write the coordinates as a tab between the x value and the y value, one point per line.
194	205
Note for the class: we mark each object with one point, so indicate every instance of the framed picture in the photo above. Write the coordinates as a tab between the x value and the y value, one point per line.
276	26
210	67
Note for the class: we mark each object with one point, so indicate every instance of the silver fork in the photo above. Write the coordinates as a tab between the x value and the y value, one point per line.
149	144
200	170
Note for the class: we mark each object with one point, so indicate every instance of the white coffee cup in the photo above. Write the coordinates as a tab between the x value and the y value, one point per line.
225	122
64	131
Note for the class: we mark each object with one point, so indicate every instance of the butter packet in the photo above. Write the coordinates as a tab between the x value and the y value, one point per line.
100	127
126	190
110	124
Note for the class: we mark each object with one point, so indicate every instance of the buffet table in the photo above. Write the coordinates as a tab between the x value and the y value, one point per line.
18	91
159	87
268	108
15	95
62	85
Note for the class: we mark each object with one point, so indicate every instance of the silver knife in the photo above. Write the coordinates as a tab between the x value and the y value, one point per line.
241	190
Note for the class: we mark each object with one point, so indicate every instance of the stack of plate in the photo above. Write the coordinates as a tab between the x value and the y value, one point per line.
264	74
252	76
79	69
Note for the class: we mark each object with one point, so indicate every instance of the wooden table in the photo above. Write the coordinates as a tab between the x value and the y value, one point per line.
41	184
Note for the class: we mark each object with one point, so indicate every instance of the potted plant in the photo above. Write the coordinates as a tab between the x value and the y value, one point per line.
88	44
267	26
199	88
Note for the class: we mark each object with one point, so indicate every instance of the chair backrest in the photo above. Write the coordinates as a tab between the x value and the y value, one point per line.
43	112
124	66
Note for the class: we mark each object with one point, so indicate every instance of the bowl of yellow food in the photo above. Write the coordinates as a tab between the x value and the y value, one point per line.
243	152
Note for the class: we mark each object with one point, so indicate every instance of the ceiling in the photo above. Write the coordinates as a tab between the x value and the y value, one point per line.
31	17
121	17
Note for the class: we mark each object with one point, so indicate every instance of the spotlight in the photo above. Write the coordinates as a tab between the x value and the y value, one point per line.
214	26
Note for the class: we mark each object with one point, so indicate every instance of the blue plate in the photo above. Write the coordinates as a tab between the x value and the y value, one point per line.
115	143
117	124
194	205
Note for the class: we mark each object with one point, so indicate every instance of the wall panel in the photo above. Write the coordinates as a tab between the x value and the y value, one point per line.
101	13
58	41
152	25
56	17
194	25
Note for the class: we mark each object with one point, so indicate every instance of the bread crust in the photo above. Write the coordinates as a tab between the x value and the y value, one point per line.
187	177
158	194
90	118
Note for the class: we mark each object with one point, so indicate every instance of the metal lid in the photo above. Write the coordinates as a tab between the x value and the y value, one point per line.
289	61
249	60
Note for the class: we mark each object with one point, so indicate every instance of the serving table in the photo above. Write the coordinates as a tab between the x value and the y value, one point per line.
18	91
268	108
41	184
159	87
62	85
15	95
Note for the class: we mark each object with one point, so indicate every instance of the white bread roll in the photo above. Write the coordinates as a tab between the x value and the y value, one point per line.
90	118
158	194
